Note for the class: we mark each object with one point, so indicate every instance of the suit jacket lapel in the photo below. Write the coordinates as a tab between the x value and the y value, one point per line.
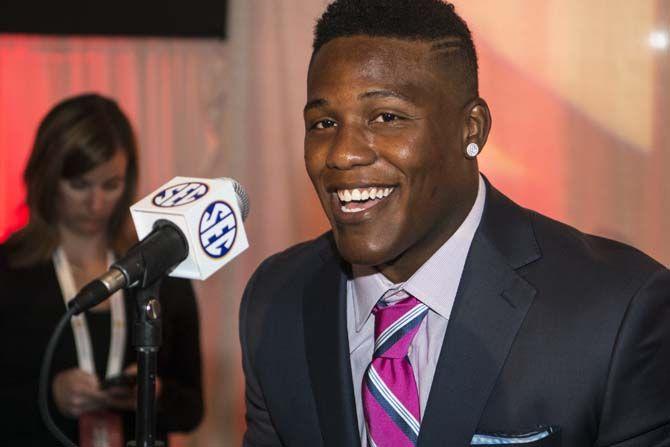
490	307
327	348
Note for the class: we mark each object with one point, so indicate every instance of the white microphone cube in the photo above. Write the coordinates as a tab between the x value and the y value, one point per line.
207	212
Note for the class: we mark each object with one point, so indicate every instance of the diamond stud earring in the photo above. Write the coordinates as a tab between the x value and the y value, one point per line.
472	150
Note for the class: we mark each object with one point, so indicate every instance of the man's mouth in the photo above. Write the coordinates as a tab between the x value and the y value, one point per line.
360	199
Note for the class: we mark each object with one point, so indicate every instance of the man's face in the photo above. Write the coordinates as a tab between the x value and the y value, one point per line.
384	120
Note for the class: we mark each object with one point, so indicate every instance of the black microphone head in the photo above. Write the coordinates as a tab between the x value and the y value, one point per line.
242	198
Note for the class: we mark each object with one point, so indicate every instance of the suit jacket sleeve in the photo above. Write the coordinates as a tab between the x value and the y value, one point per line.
636	404
260	430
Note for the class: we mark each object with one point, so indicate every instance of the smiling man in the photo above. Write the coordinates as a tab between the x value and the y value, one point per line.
437	312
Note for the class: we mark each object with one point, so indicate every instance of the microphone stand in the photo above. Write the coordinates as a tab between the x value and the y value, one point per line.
147	339
148	331
143	268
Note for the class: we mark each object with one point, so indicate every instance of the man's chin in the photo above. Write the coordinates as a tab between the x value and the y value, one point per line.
365	254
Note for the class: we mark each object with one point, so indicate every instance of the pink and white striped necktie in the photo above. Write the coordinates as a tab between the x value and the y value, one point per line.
390	394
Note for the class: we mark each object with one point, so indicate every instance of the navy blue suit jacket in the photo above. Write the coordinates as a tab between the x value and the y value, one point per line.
551	327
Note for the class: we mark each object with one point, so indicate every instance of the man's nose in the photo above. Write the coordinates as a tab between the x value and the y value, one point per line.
350	148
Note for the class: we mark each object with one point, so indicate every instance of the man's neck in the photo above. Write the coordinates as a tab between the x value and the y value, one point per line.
402	268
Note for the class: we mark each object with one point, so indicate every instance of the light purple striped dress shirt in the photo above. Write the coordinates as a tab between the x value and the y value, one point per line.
435	284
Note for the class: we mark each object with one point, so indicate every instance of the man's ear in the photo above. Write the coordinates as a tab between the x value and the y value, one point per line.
477	123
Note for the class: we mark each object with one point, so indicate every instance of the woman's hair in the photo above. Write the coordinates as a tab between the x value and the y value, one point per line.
77	135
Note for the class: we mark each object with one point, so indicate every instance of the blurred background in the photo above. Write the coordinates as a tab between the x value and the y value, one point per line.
579	92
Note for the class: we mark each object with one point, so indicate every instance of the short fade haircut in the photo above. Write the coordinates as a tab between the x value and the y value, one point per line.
425	20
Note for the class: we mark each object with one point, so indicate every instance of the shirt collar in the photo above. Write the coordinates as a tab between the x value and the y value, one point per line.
435	283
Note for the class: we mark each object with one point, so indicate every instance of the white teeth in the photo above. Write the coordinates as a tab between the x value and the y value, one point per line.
352	210
359	194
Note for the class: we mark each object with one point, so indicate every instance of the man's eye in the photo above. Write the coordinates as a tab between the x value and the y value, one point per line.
324	124
386	118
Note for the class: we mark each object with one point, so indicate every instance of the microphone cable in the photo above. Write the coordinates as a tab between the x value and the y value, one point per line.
43	393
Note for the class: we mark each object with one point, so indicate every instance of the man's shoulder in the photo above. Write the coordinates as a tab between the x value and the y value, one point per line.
548	249
315	250
587	256
273	295
300	256
294	265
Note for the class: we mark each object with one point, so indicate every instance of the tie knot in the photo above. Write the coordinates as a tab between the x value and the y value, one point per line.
396	325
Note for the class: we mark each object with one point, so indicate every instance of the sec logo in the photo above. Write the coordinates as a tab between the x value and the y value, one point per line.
218	228
180	194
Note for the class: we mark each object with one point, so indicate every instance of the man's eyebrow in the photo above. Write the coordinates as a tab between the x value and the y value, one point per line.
314	103
383	93
320	102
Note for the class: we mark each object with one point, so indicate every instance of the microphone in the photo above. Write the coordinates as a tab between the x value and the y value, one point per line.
188	228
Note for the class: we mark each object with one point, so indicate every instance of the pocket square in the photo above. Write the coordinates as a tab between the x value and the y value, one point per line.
536	437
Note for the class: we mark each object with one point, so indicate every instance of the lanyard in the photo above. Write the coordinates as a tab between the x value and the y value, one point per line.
82	337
